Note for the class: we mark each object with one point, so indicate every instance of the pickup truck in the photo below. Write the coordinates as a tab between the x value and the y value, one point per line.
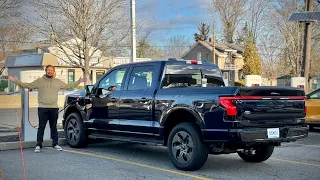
184	105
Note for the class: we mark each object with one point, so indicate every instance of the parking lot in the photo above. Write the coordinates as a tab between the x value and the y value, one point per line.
119	160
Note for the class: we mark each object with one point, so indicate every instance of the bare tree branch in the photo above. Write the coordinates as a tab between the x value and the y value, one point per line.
230	13
83	29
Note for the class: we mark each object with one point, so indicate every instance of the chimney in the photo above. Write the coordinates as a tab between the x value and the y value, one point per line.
38	48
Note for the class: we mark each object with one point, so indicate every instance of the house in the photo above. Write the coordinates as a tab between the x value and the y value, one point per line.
35	56
284	80
70	47
228	57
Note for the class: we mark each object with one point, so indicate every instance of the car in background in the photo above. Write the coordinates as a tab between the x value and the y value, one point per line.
313	109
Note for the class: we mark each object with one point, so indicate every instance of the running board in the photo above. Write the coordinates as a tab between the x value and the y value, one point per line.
153	142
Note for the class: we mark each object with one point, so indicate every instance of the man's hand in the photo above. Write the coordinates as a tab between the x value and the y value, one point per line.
13	79
81	80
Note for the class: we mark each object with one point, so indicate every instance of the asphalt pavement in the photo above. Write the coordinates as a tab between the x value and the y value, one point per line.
117	160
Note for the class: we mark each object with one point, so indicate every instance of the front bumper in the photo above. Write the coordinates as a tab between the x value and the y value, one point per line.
255	135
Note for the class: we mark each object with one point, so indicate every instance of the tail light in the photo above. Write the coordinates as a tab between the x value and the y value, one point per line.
231	109
227	103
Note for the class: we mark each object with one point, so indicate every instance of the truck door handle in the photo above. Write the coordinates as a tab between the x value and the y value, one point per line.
113	99
144	100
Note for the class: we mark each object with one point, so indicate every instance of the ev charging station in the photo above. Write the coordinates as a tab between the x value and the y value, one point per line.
252	80
298	82
28	132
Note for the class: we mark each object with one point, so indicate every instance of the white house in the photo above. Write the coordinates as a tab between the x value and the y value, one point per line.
71	47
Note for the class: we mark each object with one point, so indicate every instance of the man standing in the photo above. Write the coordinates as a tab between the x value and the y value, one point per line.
48	87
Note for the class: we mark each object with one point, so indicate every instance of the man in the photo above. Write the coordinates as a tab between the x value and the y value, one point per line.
112	88
48	87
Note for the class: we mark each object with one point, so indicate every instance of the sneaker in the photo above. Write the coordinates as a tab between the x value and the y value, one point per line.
57	148
37	149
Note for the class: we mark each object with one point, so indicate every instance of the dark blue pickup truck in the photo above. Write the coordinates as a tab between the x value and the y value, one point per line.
184	105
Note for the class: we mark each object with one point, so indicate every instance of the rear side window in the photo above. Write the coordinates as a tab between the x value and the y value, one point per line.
186	75
142	77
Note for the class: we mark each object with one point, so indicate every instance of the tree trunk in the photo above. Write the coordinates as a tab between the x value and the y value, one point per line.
86	69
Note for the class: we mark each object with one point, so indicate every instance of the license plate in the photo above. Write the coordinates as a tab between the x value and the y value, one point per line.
273	132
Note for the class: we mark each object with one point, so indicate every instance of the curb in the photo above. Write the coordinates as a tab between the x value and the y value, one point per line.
8	130
28	144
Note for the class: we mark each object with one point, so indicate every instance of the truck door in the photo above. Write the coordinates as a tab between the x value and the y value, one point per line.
104	113
136	101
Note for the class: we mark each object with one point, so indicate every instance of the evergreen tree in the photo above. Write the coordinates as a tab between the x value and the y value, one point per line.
252	60
204	32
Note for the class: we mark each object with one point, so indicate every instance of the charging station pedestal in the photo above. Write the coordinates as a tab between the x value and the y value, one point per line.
298	82
29	133
252	80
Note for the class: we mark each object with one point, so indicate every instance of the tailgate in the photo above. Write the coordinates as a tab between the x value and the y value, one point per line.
258	106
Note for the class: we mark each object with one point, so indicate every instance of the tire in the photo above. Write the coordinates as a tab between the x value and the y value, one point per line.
75	133
186	148
262	153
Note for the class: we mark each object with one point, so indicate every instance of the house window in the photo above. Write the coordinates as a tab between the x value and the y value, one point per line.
199	56
225	75
71	73
99	74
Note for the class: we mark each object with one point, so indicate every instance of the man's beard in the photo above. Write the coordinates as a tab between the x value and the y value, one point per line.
48	76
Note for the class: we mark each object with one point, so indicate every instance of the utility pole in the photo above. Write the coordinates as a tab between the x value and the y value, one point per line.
133	30
213	45
307	45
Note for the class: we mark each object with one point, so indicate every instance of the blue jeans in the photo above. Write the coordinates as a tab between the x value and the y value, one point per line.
51	115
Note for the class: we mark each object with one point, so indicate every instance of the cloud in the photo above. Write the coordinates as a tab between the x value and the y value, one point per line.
187	20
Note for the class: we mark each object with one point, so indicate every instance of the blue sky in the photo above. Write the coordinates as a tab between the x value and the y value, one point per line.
167	18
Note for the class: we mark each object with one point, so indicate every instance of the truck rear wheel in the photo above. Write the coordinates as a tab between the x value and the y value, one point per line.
186	148
257	154
75	132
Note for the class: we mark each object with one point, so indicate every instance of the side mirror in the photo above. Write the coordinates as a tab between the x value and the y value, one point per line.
89	89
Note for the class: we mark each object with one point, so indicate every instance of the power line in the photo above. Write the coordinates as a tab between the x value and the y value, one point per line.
168	28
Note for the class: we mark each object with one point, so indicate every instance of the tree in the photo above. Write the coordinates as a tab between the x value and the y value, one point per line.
230	13
257	16
145	50
13	30
9	8
243	35
177	46
252	62
81	28
204	32
291	35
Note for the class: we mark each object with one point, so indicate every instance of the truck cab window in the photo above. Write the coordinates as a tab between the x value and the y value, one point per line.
141	78
191	76
115	78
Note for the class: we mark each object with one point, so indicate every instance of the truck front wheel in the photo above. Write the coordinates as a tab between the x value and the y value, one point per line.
75	132
186	148
257	153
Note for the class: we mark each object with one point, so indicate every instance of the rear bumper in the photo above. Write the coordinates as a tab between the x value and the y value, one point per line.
255	135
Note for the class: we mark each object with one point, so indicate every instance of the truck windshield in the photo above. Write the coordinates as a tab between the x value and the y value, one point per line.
186	75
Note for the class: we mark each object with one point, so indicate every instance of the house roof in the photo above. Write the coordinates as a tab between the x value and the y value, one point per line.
239	49
24	60
284	77
220	48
